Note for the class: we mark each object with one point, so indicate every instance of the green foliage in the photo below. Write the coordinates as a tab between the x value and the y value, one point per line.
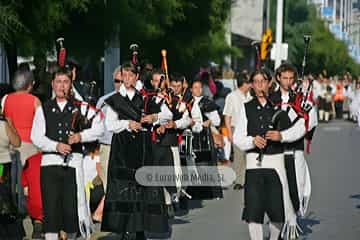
33	25
193	31
10	23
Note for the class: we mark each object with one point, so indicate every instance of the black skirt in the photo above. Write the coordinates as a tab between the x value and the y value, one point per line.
11	226
263	194
205	158
59	196
129	206
324	105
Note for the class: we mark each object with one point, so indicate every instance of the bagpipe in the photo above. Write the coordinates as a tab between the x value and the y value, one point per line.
87	89
82	118
89	100
279	121
164	91
303	92
84	113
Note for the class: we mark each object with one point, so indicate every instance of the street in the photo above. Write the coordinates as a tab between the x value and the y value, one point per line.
334	211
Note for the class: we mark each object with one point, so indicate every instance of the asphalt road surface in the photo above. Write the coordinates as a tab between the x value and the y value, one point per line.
334	211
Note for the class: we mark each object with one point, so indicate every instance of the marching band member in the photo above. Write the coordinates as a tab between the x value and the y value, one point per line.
204	114
129	206
261	132
173	116
296	166
62	184
176	84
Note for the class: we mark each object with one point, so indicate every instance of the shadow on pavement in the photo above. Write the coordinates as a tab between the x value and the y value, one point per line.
178	221
356	196
307	223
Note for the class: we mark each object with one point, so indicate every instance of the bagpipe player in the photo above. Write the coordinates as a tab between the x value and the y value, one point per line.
57	132
262	131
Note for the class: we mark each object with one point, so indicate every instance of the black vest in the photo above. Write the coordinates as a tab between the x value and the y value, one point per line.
58	124
170	137
276	99
259	122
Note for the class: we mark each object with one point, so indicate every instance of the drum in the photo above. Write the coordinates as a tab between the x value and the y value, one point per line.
185	148
201	142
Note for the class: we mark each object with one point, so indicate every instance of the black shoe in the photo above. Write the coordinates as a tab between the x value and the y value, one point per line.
238	186
128	236
38	231
183	204
170	211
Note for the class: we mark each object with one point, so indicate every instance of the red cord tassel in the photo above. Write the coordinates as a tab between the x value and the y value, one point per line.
153	136
179	138
62	56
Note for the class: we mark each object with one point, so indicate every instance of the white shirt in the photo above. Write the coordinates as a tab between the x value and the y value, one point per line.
107	136
316	89
245	142
112	122
233	104
349	92
197	116
139	85
39	139
165	115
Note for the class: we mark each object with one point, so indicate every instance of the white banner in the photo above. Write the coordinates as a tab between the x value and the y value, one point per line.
247	18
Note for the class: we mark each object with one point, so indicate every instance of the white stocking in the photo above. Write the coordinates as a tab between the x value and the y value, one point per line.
51	236
256	231
321	115
71	236
275	230
327	116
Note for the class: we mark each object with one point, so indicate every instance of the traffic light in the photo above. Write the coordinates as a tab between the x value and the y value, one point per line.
266	44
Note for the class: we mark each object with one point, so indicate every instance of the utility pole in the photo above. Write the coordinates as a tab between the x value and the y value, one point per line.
279	30
334	13
345	15
111	55
342	15
350	16
228	40
268	14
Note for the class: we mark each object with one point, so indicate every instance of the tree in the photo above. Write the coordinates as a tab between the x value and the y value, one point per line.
29	28
193	32
10	23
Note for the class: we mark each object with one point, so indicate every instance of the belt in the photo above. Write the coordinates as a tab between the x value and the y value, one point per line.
106	144
57	153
